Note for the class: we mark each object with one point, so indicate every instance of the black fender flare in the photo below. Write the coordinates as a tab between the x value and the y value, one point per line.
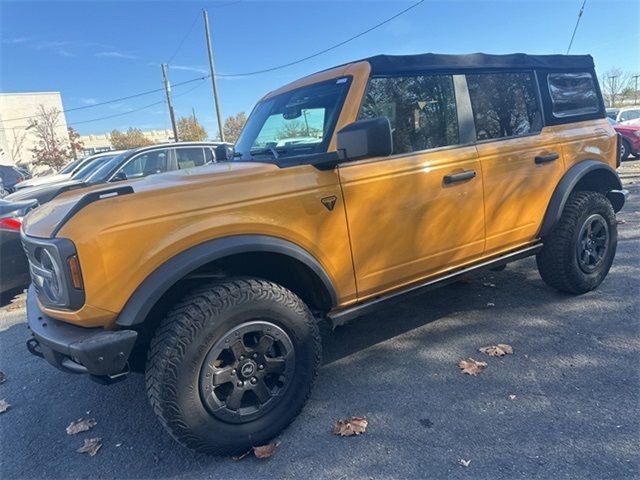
169	273
609	184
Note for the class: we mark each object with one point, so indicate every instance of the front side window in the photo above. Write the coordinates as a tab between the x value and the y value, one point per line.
504	104
298	122
150	163
421	110
572	94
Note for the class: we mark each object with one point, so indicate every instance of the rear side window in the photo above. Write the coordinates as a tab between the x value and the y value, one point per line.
629	115
190	157
572	94
421	109
504	104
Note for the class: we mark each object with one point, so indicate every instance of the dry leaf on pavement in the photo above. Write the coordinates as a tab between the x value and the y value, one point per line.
266	451
91	446
351	426
512	397
4	405
3	377
464	463
499	350
80	425
471	367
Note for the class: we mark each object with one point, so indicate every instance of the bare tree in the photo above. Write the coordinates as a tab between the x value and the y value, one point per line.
50	150
18	143
614	83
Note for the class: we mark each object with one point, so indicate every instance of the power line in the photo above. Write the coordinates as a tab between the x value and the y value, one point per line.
184	38
575	29
129	97
328	49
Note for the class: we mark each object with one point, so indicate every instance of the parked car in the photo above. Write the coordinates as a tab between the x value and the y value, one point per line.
13	262
411	172
66	173
626	115
10	177
630	141
116	167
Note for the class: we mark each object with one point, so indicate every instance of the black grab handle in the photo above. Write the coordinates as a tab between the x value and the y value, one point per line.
546	158
458	177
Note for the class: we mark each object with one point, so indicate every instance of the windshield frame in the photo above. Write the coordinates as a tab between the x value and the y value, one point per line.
282	158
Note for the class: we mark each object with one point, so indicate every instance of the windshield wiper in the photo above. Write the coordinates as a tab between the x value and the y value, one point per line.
271	150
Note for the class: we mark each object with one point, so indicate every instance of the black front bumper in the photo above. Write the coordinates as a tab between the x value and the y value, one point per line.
99	352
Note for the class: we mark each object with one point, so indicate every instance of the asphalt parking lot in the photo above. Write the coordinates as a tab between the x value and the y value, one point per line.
574	375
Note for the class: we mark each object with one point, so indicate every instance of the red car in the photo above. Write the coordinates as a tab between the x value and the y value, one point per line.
630	138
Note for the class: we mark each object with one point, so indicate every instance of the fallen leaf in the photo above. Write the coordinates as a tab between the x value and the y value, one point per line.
91	446
491	304
242	455
4	405
512	397
119	444
490	285
266	451
471	366
464	463
499	350
80	425
3	377
351	426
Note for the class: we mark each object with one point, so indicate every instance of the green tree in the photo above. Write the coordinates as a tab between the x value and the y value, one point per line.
132	138
190	130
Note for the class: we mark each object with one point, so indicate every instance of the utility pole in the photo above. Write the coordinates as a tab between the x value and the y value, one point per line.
167	89
612	84
212	68
635	89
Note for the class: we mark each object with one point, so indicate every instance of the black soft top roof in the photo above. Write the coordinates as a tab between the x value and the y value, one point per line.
390	64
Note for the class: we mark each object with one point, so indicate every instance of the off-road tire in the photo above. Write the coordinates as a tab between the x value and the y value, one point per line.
180	345
558	260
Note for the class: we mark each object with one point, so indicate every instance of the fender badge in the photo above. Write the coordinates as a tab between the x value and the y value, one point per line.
329	202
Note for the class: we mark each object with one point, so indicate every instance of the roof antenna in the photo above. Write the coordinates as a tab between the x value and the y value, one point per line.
576	27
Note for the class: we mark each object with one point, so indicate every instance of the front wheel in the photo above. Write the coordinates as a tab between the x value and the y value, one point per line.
232	365
579	251
625	150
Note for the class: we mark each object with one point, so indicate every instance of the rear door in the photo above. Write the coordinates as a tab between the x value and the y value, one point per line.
420	210
521	162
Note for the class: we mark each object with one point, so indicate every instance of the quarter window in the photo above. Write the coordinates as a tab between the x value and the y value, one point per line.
572	94
504	104
421	110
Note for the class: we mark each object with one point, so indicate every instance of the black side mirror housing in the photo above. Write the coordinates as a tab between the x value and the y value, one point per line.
224	153
365	139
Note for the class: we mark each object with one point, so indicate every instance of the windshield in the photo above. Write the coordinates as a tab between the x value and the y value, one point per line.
105	169
298	122
72	166
91	167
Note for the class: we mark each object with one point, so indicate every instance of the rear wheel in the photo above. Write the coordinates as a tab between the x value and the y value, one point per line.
579	251
232	365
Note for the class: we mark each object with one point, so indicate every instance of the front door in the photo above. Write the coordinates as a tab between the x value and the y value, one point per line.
521	162
420	210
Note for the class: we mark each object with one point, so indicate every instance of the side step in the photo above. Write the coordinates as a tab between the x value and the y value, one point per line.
340	317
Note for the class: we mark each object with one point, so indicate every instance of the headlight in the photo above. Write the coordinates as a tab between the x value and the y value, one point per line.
55	272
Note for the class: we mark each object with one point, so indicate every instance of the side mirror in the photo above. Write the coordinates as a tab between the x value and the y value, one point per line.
119	176
224	153
365	139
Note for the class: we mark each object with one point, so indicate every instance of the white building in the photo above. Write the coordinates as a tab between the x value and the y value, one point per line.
99	142
16	110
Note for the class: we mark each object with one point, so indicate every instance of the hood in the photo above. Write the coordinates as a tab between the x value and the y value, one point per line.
44	193
47	219
34	182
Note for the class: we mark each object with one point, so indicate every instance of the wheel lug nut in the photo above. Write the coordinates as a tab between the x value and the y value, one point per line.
255	355
254	380
241	357
260	367
233	372
240	384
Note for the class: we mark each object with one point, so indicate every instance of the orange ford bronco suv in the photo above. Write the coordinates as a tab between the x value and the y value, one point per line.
346	189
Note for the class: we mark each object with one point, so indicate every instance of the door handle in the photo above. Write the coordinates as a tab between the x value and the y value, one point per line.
459	177
547	158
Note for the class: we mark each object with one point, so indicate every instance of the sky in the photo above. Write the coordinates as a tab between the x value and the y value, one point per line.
95	51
